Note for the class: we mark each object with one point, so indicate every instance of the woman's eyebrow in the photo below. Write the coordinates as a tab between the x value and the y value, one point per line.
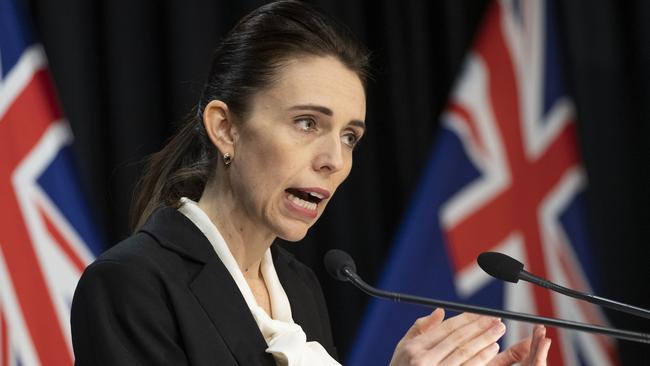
313	107
357	123
326	111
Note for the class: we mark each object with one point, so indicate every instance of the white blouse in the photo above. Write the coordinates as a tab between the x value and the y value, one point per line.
286	340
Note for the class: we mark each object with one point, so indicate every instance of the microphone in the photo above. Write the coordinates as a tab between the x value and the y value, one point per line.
338	263
506	268
341	266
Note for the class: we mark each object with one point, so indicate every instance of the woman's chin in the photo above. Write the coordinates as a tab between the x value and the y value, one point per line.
295	235
295	232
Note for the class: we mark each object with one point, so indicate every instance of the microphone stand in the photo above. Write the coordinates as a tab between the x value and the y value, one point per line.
352	276
611	304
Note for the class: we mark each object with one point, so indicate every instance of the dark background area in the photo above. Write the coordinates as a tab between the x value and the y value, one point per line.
127	71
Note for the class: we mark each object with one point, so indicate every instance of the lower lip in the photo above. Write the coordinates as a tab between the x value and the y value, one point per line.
311	214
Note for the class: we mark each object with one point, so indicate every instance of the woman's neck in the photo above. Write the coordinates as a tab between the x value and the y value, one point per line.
246	241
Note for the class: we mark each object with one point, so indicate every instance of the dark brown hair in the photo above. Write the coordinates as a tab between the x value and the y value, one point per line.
247	61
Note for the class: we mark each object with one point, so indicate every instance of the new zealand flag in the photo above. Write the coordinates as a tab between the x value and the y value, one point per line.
46	237
504	175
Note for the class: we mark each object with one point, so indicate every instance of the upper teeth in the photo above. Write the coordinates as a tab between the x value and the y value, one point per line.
317	195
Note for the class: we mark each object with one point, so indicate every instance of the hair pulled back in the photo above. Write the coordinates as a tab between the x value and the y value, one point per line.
247	61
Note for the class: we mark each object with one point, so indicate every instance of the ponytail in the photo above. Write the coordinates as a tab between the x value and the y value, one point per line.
180	169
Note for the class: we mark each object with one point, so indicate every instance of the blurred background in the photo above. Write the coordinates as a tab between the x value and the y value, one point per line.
126	72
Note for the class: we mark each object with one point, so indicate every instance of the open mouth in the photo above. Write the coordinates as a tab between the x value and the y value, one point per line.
306	199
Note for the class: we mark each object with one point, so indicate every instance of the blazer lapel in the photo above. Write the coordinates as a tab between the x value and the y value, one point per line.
219	296
213	287
300	295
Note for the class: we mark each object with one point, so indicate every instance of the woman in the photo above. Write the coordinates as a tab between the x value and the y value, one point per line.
200	283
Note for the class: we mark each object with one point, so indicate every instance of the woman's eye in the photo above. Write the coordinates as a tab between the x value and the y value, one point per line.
306	124
350	139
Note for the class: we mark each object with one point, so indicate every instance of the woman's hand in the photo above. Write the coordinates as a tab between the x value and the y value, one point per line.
467	339
532	351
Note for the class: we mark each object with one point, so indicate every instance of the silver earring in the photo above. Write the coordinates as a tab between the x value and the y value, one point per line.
227	159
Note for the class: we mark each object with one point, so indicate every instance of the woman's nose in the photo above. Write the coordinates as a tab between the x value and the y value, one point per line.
329	158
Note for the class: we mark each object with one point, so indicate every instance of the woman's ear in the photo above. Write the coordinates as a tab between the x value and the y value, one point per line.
218	123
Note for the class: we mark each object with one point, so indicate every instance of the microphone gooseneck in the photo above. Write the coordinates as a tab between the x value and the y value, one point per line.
341	266
506	268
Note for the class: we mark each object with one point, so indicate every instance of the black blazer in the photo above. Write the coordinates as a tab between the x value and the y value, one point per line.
163	297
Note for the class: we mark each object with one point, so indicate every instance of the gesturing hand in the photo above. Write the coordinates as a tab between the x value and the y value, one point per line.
466	339
531	351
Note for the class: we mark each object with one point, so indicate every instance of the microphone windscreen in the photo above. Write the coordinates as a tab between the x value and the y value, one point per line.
500	266
335	261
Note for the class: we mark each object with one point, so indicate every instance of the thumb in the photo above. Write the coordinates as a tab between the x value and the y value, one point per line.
517	353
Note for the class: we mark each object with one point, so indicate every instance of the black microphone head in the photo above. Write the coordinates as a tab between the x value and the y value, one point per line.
335	261
501	266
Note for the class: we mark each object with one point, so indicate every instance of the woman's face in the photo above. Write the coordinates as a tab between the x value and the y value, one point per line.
295	148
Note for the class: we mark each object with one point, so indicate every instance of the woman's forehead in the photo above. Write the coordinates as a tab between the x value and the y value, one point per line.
317	81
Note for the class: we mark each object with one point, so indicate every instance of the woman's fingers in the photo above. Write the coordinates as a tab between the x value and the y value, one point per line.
409	348
467	342
539	348
531	351
539	332
421	325
515	353
483	357
447	327
463	338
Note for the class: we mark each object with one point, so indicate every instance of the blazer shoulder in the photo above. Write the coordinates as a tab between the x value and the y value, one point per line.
121	300
142	253
139	249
